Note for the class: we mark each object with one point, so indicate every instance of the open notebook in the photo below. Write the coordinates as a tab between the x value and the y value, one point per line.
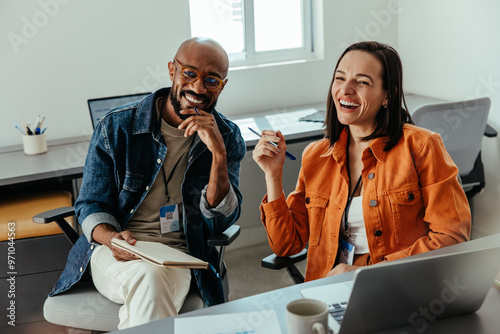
160	254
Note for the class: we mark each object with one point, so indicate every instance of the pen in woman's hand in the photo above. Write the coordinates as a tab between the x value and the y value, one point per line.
287	154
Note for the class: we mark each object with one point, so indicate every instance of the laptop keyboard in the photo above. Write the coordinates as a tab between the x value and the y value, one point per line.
337	311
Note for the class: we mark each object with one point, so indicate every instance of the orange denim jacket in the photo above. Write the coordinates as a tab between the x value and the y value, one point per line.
412	201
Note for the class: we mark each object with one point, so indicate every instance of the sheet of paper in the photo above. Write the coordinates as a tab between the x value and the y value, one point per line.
258	322
289	123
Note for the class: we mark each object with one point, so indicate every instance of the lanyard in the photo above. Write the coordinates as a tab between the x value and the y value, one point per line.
348	205
349	199
167	179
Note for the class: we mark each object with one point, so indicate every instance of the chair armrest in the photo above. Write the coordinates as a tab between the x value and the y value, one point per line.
226	238
223	240
279	262
58	215
489	131
53	215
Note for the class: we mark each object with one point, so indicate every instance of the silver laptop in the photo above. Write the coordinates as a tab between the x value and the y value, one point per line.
100	106
413	291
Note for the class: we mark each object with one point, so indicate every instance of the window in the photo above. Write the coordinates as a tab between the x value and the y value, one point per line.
255	31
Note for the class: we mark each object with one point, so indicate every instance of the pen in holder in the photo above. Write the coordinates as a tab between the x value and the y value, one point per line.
34	144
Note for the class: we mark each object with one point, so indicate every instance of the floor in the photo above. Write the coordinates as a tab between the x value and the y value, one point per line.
246	275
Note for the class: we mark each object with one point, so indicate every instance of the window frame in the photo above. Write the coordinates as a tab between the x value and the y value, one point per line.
250	57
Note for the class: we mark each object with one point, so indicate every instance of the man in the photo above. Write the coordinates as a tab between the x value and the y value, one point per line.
169	155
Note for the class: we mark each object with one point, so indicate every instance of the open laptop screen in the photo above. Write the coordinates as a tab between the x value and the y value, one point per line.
100	106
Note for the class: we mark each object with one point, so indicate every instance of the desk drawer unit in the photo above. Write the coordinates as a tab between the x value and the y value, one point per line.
38	263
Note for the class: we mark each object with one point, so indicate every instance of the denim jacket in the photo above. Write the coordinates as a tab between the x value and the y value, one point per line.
125	155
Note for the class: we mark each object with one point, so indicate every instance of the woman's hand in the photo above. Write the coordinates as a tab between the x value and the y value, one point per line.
341	268
270	158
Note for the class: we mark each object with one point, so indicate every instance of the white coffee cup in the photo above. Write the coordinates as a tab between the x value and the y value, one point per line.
307	316
34	144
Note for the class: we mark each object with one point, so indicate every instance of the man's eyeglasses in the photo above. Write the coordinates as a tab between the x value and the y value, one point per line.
190	75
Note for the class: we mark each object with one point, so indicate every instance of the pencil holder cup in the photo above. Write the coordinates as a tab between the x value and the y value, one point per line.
34	144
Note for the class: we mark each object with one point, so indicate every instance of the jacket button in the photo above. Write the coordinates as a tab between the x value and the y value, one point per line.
158	161
81	269
147	188
378	233
132	211
308	200
373	203
92	247
411	197
371	176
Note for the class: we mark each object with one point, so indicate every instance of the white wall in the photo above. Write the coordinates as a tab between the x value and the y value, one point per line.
56	54
68	51
450	50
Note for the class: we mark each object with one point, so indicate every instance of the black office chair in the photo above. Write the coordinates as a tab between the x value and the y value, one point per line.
83	309
462	126
275	262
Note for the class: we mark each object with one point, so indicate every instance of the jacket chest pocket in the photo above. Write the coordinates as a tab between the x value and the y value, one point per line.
316	208
132	182
408	213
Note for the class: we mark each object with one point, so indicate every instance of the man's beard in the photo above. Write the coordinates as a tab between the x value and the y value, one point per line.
177	104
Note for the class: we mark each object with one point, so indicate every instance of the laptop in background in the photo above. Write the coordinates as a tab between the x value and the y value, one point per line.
413	291
100	106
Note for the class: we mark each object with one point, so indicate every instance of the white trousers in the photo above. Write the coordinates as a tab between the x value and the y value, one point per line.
147	292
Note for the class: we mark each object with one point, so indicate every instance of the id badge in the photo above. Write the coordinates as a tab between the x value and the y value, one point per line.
346	252
169	219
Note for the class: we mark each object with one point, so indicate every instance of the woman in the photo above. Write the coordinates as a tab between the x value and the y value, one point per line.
376	188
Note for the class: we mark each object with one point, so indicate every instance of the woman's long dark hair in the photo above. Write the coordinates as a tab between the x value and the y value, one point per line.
389	121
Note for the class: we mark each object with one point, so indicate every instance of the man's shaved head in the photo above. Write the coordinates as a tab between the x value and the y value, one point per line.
205	46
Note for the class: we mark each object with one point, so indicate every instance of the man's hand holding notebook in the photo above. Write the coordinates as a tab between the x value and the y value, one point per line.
160	254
